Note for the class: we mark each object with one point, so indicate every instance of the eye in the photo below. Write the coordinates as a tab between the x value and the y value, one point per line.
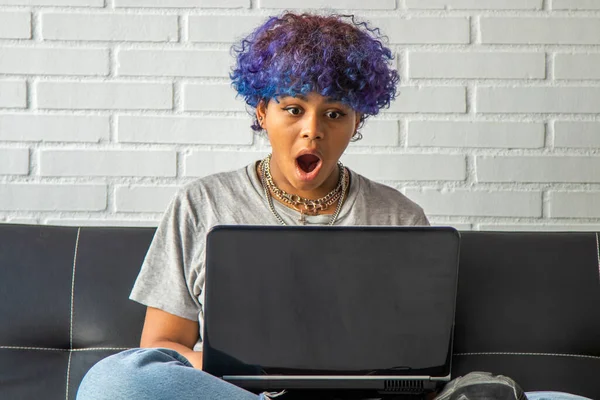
293	110
334	114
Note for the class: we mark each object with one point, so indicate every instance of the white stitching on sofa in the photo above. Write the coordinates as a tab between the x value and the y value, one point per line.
499	353
598	251
101	348
73	289
68	375
58	349
71	318
31	348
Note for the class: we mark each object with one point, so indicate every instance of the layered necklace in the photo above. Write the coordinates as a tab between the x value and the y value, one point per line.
302	205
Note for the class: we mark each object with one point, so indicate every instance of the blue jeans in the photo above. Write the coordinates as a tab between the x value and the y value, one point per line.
164	374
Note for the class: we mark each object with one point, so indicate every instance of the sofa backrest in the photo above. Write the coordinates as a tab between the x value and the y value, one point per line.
528	306
64	304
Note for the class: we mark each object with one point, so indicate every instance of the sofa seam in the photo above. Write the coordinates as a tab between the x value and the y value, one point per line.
68	375
59	349
501	353
71	315
598	254
73	289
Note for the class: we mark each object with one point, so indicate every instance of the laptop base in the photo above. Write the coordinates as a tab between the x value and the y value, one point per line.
379	384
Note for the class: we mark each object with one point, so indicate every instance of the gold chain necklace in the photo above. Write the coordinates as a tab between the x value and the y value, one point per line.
301	204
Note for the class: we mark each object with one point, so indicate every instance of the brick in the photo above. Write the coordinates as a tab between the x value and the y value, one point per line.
538	169
201	130
465	202
107	163
222	28
105	95
203	163
51	197
15	25
329	4
408	167
575	5
13	94
17	220
424	30
378	133
575	204
14	161
555	30
54	128
212	97
184	3
148	223
475	4
53	3
429	100
109	27
143	198
538	100
27	60
577	134
543	226
456	225
577	66
476	134
188	63
497	65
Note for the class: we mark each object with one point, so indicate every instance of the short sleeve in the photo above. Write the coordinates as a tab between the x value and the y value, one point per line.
169	277
421	219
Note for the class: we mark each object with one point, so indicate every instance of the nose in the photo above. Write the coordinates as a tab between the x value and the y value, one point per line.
311	128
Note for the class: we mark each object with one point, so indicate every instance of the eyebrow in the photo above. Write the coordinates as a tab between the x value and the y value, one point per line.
304	98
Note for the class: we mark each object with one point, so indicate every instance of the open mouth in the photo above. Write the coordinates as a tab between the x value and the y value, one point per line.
308	162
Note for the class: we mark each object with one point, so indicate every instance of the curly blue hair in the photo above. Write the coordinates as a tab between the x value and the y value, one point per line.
333	55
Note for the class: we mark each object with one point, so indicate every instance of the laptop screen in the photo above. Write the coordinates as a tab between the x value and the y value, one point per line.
330	300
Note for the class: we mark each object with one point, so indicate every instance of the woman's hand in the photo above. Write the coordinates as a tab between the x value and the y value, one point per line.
162	329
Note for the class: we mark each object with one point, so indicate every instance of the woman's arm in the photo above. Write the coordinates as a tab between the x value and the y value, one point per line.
162	329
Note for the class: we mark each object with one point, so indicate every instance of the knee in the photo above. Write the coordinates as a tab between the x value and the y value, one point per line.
125	375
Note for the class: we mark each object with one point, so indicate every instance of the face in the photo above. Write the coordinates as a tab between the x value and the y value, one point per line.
308	135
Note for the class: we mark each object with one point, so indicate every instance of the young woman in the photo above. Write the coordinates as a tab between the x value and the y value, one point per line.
312	81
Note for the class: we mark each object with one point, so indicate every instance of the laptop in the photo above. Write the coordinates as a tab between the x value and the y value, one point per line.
344	308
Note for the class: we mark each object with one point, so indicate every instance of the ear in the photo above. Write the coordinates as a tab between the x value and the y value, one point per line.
261	112
357	121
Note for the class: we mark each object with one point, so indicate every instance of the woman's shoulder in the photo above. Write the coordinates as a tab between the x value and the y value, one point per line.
386	199
221	184
205	197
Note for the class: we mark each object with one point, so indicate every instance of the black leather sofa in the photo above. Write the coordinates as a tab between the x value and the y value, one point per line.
528	307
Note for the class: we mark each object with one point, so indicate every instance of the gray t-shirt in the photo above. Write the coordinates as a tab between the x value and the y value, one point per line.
172	275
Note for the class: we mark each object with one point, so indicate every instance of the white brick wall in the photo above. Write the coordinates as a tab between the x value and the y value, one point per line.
577	134
109	27
105	95
506	135
108	106
14	161
540	30
13	94
138	163
408	167
577	66
476	4
477	65
53	61
53	128
15	25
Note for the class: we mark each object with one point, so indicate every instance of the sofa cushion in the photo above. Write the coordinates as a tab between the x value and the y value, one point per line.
529	306
64	304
